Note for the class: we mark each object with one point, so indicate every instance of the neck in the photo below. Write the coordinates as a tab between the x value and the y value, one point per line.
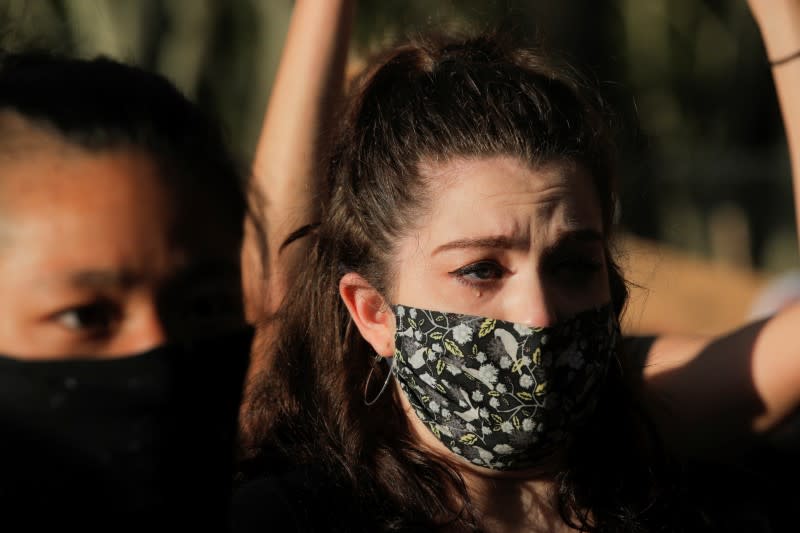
515	504
503	501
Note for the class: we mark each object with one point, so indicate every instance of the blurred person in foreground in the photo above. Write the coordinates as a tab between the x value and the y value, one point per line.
124	342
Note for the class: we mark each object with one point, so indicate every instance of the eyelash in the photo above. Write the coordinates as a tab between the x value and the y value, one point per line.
462	273
95	319
573	271
576	270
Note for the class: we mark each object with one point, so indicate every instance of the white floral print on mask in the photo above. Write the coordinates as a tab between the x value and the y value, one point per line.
502	395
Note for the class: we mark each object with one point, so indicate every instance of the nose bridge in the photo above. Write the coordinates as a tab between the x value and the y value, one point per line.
536	304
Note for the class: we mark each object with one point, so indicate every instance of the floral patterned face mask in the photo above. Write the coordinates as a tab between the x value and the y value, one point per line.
502	395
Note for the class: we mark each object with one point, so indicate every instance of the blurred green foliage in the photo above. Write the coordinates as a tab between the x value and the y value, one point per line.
703	158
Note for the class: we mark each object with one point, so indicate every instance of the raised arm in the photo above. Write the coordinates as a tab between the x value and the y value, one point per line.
719	393
779	22
286	172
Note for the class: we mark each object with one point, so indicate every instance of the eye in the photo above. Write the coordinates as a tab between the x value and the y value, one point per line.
95	319
576	270
478	273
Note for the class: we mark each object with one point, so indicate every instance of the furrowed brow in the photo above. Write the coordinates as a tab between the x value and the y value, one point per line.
101	279
503	242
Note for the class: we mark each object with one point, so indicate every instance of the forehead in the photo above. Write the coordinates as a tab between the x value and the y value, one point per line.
504	195
64	209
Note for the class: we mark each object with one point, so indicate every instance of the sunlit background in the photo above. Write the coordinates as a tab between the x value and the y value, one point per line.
705	171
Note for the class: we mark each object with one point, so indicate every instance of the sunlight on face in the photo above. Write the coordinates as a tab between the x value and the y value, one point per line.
506	241
97	261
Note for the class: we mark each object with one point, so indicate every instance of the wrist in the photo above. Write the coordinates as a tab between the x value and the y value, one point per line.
781	34
782	60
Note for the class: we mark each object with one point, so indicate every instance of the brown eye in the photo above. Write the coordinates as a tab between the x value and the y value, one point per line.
95	319
576	270
482	271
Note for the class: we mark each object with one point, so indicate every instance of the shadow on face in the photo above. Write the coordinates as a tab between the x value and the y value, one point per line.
98	258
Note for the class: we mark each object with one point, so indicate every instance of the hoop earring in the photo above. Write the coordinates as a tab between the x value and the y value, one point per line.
385	383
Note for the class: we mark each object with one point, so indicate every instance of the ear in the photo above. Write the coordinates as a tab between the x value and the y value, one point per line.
370	312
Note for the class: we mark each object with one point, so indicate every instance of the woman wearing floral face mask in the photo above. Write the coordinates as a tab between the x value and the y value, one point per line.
466	243
675	368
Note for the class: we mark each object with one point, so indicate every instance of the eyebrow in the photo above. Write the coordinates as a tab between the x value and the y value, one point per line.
121	279
504	242
489	242
102	279
581	235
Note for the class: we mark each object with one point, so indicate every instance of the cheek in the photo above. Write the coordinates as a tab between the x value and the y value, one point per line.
424	279
14	336
20	323
406	272
16	289
416	281
572	299
411	283
597	293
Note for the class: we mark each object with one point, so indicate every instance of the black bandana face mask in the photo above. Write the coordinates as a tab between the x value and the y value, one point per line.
499	394
145	440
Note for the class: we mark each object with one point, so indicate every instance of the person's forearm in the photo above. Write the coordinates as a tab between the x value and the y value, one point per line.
287	167
307	85
721	393
779	22
717	394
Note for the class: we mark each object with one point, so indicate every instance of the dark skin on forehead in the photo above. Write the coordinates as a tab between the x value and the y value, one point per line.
98	260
